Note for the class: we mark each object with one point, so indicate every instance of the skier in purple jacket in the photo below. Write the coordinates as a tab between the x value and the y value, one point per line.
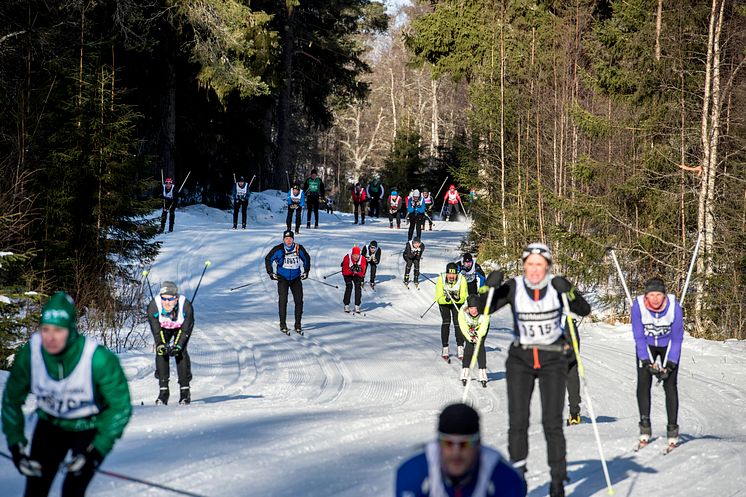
658	328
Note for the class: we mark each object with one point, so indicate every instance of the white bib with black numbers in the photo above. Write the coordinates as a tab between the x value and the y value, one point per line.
452	290
241	192
165	320
295	198
68	398
539	323
169	194
292	259
452	197
657	326
470	274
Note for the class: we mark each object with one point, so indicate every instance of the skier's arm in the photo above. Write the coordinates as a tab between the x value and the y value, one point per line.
305	258
16	390
302	199
463	325
677	335
363	266
186	328
463	291
377	257
321	188
504	295
641	345
305	185
111	386
440	294
578	304
154	322
268	260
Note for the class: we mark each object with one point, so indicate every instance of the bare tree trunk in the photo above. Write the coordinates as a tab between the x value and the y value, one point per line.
658	24
393	106
284	108
167	139
434	132
502	127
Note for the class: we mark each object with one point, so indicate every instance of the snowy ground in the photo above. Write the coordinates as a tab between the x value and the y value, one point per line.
333	413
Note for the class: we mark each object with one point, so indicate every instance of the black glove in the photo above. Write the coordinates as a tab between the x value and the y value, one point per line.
304	276
161	349
24	465
649	366
670	366
175	350
355	268
495	279
272	276
664	373
86	462
561	284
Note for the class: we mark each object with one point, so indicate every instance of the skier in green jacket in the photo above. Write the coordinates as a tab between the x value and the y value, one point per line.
83	402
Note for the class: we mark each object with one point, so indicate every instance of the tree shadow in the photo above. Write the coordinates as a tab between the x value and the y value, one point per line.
493	349
225	398
496	375
599	419
375	305
384	277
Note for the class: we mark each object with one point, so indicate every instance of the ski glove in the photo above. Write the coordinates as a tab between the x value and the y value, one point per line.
162	349
272	276
175	350
561	285
355	268
25	465
87	462
304	276
649	366
495	279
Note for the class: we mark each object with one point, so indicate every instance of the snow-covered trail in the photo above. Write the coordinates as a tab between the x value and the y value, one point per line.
334	412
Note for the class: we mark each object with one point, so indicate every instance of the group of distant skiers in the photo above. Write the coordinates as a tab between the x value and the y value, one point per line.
83	402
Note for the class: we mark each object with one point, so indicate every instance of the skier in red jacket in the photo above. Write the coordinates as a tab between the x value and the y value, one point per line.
452	199
358	202
353	270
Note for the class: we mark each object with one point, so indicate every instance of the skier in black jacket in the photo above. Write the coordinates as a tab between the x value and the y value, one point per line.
413	251
372	254
170	199
540	350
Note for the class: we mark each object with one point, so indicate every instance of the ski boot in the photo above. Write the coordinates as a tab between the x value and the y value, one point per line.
460	352
645	432
316	226
184	397
391	225
446	354
234	227
406	280
284	329
243	226
372	285
357	309
574	419
162	397
672	433
483	377
347	308
464	376
299	330
308	226
416	283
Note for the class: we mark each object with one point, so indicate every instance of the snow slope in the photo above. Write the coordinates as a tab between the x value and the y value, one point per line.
333	413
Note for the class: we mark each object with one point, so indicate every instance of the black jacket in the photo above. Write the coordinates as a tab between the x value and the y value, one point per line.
411	254
375	259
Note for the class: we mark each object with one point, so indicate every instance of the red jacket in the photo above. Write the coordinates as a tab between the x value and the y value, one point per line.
359	198
347	265
452	199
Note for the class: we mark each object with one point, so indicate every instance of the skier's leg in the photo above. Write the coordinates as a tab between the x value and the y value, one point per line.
468	351
520	381
457	329
445	326
309	209
407	268
282	292
348	290
184	368
373	268
416	270
236	207
164	215
644	382
412	222
420	219
171	216
316	213
76	485
297	220
482	354
296	286
671	389
358	290
244	208
355	208
391	218
289	218
552	385
162	370
573	388
49	445
362	213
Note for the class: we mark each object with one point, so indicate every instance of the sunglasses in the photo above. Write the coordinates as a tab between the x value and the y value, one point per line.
168	299
460	441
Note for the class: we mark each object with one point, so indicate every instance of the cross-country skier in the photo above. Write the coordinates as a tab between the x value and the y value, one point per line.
358	202
329	205
82	403
171	319
452	200
658	328
539	350
428	201
372	255
413	251
450	292
376	193
314	190
288	263
170	199
241	194
415	214
456	464
472	271
474	326
296	202
353	271
394	206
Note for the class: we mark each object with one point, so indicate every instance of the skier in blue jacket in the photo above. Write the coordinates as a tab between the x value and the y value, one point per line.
296	203
658	328
415	213
288	263
457	465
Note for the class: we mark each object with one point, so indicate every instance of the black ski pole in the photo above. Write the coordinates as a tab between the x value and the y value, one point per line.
323	282
428	309
243	286
428	279
207	264
335	272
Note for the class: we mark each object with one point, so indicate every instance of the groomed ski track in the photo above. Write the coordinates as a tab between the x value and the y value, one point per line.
334	412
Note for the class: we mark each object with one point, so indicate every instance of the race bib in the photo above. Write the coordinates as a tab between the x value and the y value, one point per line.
292	261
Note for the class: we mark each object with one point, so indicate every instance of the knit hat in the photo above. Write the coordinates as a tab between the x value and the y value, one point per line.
288	233
451	268
296	186
416	193
168	288
394	193
374	243
472	300
467	257
655	285
458	419
416	239
452	187
60	311
355	250
314	171
537	248
241	179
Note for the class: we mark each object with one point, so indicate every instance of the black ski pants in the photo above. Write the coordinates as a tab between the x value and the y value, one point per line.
408	267
573	386
296	287
448	313
49	446
289	219
451	211
373	268
183	363
523	368
481	354
395	215
427	216
312	206
357	282
242	205
169	211
359	209
670	387
416	220
375	207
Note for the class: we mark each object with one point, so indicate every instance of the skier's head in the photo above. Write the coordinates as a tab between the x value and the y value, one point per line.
169	183
458	439
394	193
537	258
416	194
355	254
241	181
451	272
416	242
169	294
655	293
472	304
314	172
468	260
288	237
452	187
373	245
425	192
296	188
58	323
